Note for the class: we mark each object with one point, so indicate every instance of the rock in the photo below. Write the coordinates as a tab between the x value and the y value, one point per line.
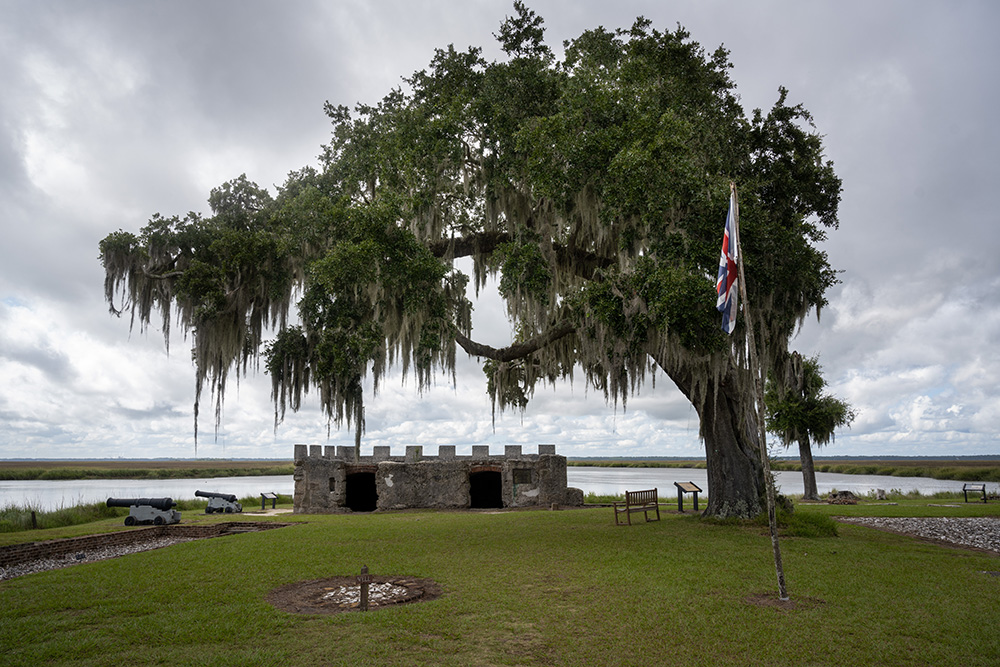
842	498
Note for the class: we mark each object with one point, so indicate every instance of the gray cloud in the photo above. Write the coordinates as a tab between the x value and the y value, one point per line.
114	111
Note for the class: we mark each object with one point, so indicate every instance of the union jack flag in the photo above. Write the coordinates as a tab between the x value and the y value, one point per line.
725	284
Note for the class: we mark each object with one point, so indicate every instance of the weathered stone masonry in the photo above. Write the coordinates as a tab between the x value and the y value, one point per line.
331	479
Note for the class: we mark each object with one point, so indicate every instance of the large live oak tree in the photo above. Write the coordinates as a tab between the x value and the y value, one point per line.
595	188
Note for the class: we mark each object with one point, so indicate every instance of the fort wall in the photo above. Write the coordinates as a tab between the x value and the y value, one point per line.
333	479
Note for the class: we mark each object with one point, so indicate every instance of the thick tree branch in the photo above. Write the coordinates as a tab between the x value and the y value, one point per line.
578	261
517	350
162	276
466	246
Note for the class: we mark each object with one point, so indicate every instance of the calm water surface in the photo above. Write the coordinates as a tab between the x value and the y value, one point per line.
51	495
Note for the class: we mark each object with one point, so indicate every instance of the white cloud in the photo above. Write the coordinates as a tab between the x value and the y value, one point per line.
114	111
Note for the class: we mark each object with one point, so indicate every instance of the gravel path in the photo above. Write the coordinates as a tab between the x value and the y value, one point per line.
43	564
976	532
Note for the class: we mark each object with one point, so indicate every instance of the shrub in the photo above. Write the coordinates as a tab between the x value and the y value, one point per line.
800	524
807	524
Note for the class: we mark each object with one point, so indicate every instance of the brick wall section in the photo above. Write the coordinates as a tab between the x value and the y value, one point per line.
20	553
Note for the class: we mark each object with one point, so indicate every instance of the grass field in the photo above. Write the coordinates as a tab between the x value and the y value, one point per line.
524	588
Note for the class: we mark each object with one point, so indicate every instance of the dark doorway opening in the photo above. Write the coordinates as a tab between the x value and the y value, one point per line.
485	489
361	493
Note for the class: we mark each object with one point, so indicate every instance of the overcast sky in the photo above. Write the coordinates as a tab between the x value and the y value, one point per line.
113	111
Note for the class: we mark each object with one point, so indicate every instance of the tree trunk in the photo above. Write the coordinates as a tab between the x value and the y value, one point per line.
808	471
735	473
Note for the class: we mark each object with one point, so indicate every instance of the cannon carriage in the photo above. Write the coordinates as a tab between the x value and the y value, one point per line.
220	502
157	511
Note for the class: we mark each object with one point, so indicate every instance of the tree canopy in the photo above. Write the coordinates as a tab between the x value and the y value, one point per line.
593	187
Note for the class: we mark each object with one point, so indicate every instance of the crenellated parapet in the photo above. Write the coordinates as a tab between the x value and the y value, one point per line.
415	453
335	479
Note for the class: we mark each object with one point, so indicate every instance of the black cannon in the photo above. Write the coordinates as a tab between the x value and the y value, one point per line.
158	511
220	502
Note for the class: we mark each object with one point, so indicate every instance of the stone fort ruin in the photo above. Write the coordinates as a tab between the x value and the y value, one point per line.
333	479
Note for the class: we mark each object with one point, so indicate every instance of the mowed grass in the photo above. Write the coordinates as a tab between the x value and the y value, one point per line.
524	588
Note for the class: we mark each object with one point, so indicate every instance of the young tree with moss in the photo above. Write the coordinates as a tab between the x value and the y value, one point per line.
798	411
595	188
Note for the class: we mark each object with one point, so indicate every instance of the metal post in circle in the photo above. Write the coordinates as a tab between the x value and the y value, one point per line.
364	579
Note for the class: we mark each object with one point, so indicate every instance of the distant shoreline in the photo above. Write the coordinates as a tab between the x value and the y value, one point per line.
965	468
119	462
75	469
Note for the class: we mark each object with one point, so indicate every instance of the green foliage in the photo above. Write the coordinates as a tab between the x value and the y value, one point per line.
596	186
799	411
800	524
807	524
240	204
523	270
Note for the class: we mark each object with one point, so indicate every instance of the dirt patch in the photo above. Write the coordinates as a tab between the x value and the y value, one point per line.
793	603
338	594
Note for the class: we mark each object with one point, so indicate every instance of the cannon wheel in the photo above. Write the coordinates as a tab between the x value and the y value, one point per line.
130	520
158	521
229	510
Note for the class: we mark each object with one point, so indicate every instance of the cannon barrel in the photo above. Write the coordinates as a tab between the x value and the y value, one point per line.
211	494
159	503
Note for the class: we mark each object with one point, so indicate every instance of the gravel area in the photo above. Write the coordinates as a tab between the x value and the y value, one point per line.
43	564
975	532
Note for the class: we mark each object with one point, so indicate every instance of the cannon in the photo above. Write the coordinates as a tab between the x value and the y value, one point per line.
157	511
220	502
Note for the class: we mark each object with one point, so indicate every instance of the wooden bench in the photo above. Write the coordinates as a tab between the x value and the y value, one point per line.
977	488
637	501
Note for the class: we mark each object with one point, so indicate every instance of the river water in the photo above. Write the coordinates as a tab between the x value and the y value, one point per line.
51	495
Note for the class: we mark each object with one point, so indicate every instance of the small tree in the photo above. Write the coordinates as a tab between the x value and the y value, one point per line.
798	411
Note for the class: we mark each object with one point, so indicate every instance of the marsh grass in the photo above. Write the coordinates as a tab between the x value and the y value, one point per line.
970	470
962	470
145	470
636	463
523	588
592	498
28	517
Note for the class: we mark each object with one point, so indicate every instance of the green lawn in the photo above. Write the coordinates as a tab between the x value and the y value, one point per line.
524	588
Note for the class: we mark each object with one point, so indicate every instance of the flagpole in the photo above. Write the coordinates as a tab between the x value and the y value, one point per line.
755	371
